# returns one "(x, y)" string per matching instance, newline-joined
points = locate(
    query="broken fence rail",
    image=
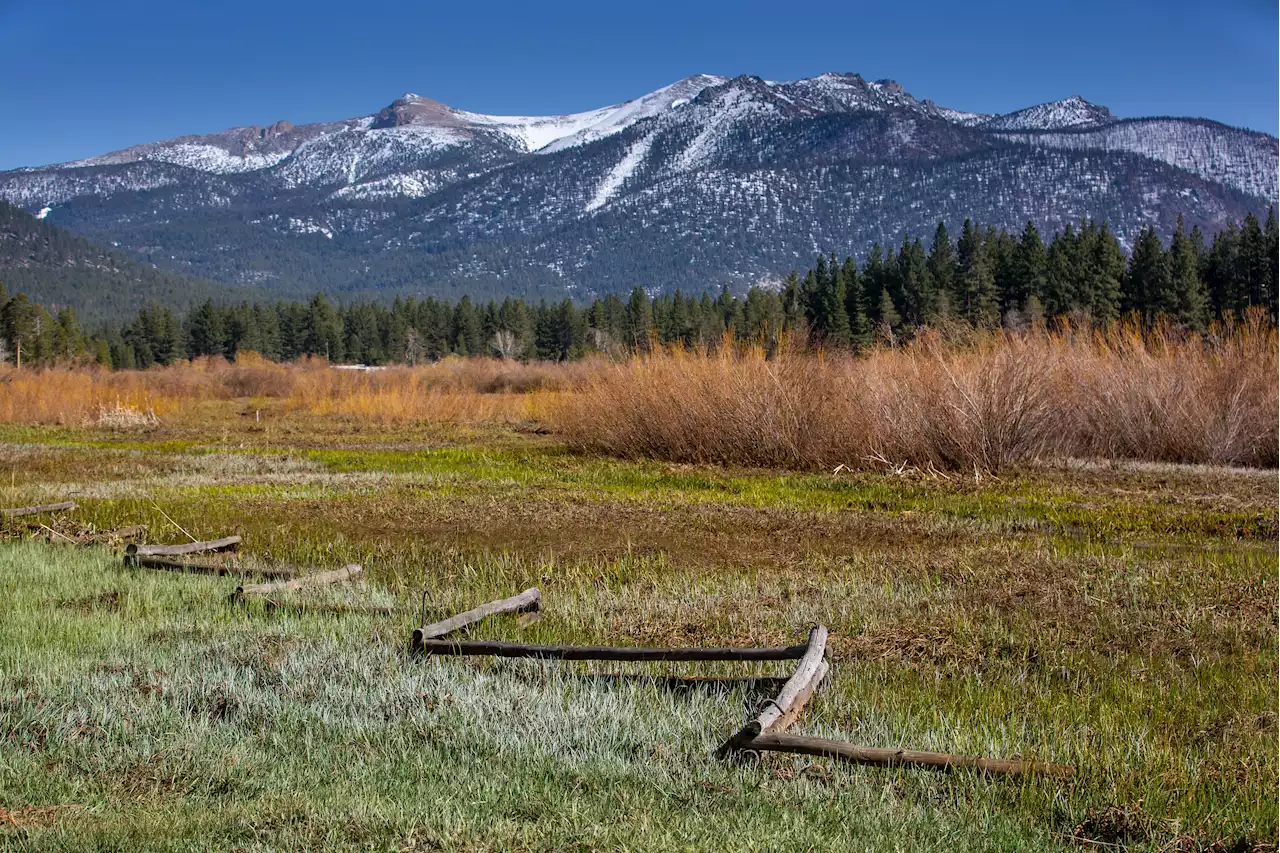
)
(879, 757)
(34, 510)
(782, 711)
(346, 573)
(224, 544)
(177, 564)
(618, 653)
(529, 600)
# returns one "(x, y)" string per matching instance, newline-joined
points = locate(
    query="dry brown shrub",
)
(981, 404)
(456, 389)
(1169, 398)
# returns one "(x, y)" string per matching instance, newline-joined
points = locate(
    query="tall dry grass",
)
(453, 390)
(1112, 393)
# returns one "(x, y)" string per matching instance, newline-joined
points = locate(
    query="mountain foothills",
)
(986, 280)
(66, 269)
(705, 183)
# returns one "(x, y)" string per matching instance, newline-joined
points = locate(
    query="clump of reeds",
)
(1113, 393)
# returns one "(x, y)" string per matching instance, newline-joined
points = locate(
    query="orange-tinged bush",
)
(1113, 393)
(453, 390)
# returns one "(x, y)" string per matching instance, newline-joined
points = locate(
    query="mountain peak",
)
(1070, 112)
(412, 109)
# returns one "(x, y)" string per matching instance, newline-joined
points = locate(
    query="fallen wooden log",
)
(179, 565)
(527, 601)
(875, 756)
(524, 650)
(335, 608)
(346, 573)
(224, 544)
(33, 510)
(782, 711)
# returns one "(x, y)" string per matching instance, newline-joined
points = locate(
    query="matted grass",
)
(1119, 620)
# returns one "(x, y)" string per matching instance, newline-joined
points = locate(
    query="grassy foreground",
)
(1121, 620)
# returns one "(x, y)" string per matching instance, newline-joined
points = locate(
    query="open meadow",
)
(1022, 574)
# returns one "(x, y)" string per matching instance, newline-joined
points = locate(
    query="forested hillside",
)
(58, 268)
(987, 279)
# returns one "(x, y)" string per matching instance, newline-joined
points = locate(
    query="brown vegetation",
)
(935, 404)
(1113, 393)
(454, 390)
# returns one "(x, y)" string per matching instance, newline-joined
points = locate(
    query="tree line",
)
(987, 279)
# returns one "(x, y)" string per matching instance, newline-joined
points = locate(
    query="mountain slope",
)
(703, 182)
(56, 267)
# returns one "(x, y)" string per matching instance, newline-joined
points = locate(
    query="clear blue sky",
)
(84, 76)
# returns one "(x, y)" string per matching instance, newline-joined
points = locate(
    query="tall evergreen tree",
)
(942, 273)
(1184, 271)
(1255, 268)
(1149, 286)
(979, 303)
(1030, 264)
(1271, 234)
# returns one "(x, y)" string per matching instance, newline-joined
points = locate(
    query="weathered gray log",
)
(327, 607)
(782, 711)
(529, 600)
(346, 573)
(177, 564)
(33, 510)
(524, 650)
(780, 742)
(226, 543)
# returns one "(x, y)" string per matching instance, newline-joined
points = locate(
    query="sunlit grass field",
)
(1119, 619)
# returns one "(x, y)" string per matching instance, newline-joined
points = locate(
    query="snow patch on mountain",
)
(1242, 159)
(963, 118)
(203, 157)
(537, 132)
(619, 173)
(1055, 115)
(717, 120)
(622, 116)
(416, 184)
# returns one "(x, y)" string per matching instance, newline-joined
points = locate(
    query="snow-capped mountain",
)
(706, 181)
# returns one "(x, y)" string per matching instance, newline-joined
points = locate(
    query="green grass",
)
(1121, 621)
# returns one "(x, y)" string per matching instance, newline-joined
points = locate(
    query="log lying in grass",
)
(524, 650)
(790, 701)
(334, 608)
(779, 742)
(225, 544)
(527, 601)
(177, 564)
(34, 510)
(346, 573)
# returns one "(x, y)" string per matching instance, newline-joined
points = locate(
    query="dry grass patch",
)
(1111, 393)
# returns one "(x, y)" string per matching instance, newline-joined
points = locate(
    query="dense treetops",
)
(986, 279)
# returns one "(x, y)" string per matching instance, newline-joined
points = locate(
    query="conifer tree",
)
(942, 274)
(1223, 271)
(1029, 266)
(873, 282)
(639, 320)
(1271, 235)
(1149, 287)
(1255, 270)
(826, 295)
(976, 283)
(913, 298)
(1184, 264)
(855, 305)
(1100, 268)
(890, 321)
